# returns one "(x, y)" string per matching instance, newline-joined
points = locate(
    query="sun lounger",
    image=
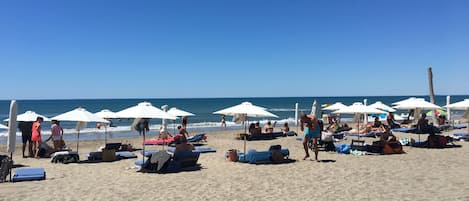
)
(29, 174)
(461, 136)
(197, 138)
(370, 134)
(65, 157)
(257, 157)
(158, 141)
(405, 130)
(196, 149)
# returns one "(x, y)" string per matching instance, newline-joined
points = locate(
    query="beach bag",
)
(276, 156)
(5, 167)
(392, 148)
(232, 155)
(343, 149)
(376, 147)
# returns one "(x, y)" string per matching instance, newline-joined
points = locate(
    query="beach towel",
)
(158, 141)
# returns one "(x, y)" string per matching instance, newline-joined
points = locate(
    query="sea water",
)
(203, 108)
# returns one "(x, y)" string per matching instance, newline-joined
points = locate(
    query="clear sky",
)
(173, 49)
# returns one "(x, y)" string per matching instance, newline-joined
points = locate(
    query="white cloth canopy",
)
(144, 110)
(405, 100)
(106, 114)
(358, 108)
(3, 126)
(29, 116)
(335, 106)
(12, 127)
(179, 113)
(248, 109)
(381, 106)
(461, 105)
(79, 114)
(416, 103)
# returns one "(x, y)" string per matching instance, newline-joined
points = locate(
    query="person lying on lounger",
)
(181, 144)
(365, 130)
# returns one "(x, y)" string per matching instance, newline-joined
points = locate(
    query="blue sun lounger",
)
(196, 149)
(197, 138)
(29, 174)
(405, 130)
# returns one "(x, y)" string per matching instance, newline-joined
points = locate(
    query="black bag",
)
(5, 167)
(358, 145)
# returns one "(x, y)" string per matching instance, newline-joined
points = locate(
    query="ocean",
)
(284, 107)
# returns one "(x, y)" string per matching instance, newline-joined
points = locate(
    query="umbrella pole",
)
(245, 136)
(358, 129)
(11, 157)
(143, 158)
(105, 134)
(78, 139)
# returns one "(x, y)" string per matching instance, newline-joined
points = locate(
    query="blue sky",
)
(173, 49)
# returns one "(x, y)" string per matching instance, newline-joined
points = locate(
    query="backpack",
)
(5, 168)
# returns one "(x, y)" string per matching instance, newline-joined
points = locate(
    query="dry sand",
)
(420, 174)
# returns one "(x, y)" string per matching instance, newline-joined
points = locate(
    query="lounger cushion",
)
(29, 174)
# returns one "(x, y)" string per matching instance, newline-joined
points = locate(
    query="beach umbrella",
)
(438, 112)
(81, 116)
(416, 104)
(29, 116)
(335, 106)
(106, 114)
(144, 110)
(405, 100)
(246, 109)
(358, 108)
(461, 105)
(3, 126)
(381, 106)
(11, 143)
(179, 113)
(314, 108)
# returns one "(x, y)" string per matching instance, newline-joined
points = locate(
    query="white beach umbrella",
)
(179, 113)
(416, 104)
(461, 105)
(359, 108)
(79, 115)
(246, 109)
(11, 143)
(12, 127)
(405, 100)
(381, 106)
(335, 106)
(3, 126)
(144, 110)
(314, 108)
(106, 114)
(29, 116)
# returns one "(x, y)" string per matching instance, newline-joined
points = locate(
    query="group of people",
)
(32, 137)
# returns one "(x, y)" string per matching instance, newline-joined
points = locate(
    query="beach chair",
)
(196, 149)
(197, 138)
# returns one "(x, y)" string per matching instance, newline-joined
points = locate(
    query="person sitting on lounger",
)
(285, 128)
(164, 134)
(365, 130)
(268, 127)
(391, 122)
(257, 129)
(181, 144)
(387, 135)
(424, 127)
(377, 123)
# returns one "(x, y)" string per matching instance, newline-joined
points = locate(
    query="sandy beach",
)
(420, 174)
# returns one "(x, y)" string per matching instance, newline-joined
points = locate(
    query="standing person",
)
(26, 133)
(309, 125)
(223, 121)
(36, 136)
(56, 135)
(184, 122)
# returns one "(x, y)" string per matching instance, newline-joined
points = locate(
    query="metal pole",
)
(143, 158)
(78, 139)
